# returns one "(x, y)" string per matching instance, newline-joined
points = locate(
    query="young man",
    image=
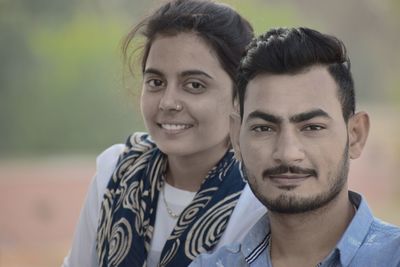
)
(296, 132)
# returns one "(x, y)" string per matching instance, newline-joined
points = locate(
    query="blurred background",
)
(64, 99)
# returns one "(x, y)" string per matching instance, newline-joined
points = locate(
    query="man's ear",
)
(234, 124)
(358, 128)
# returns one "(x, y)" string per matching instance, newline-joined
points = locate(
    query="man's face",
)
(293, 140)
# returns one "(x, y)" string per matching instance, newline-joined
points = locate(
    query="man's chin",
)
(294, 204)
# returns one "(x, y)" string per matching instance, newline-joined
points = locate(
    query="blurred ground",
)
(40, 203)
(40, 200)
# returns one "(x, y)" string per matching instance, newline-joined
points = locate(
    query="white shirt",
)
(83, 251)
(177, 200)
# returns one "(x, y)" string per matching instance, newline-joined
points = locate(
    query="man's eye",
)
(262, 128)
(195, 85)
(313, 128)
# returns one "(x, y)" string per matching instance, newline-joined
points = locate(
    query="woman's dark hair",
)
(293, 50)
(219, 25)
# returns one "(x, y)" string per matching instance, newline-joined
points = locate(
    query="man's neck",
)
(306, 239)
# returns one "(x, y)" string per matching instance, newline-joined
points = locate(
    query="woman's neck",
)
(188, 172)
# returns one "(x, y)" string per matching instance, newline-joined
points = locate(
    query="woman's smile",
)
(174, 128)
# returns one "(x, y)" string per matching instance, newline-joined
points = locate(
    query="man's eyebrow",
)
(196, 72)
(264, 116)
(305, 116)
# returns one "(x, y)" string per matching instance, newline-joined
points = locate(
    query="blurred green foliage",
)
(61, 75)
(61, 88)
(264, 16)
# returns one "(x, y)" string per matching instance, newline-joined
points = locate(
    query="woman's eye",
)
(154, 84)
(195, 87)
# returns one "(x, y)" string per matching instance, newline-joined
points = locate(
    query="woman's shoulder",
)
(109, 155)
(107, 160)
(137, 140)
(105, 165)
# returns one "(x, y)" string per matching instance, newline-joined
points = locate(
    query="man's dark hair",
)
(293, 50)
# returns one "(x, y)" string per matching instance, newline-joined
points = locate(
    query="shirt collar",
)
(357, 230)
(257, 239)
(350, 242)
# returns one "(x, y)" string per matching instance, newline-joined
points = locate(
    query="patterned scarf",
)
(129, 207)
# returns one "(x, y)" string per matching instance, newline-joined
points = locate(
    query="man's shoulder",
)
(381, 246)
(382, 232)
(228, 255)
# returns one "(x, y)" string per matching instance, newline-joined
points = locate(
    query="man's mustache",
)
(282, 169)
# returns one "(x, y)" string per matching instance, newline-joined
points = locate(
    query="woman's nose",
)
(170, 100)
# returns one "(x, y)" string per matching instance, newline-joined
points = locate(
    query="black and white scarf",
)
(128, 210)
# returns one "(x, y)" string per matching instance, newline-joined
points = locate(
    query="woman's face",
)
(186, 96)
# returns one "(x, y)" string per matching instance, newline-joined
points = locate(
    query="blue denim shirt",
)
(367, 242)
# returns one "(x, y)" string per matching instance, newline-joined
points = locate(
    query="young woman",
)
(167, 196)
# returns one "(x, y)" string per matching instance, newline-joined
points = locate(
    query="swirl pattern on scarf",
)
(128, 209)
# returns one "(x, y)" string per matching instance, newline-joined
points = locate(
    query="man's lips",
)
(289, 176)
(288, 179)
(289, 172)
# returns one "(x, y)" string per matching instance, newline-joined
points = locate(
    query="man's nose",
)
(288, 148)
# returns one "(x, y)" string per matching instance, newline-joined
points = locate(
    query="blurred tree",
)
(60, 81)
(61, 85)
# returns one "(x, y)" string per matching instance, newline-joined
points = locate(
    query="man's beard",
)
(287, 204)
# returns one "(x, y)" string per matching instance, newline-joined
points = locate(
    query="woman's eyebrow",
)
(196, 72)
(152, 71)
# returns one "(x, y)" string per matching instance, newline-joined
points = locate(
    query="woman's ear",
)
(235, 123)
(358, 128)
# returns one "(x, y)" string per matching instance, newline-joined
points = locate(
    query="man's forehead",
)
(316, 77)
(291, 94)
